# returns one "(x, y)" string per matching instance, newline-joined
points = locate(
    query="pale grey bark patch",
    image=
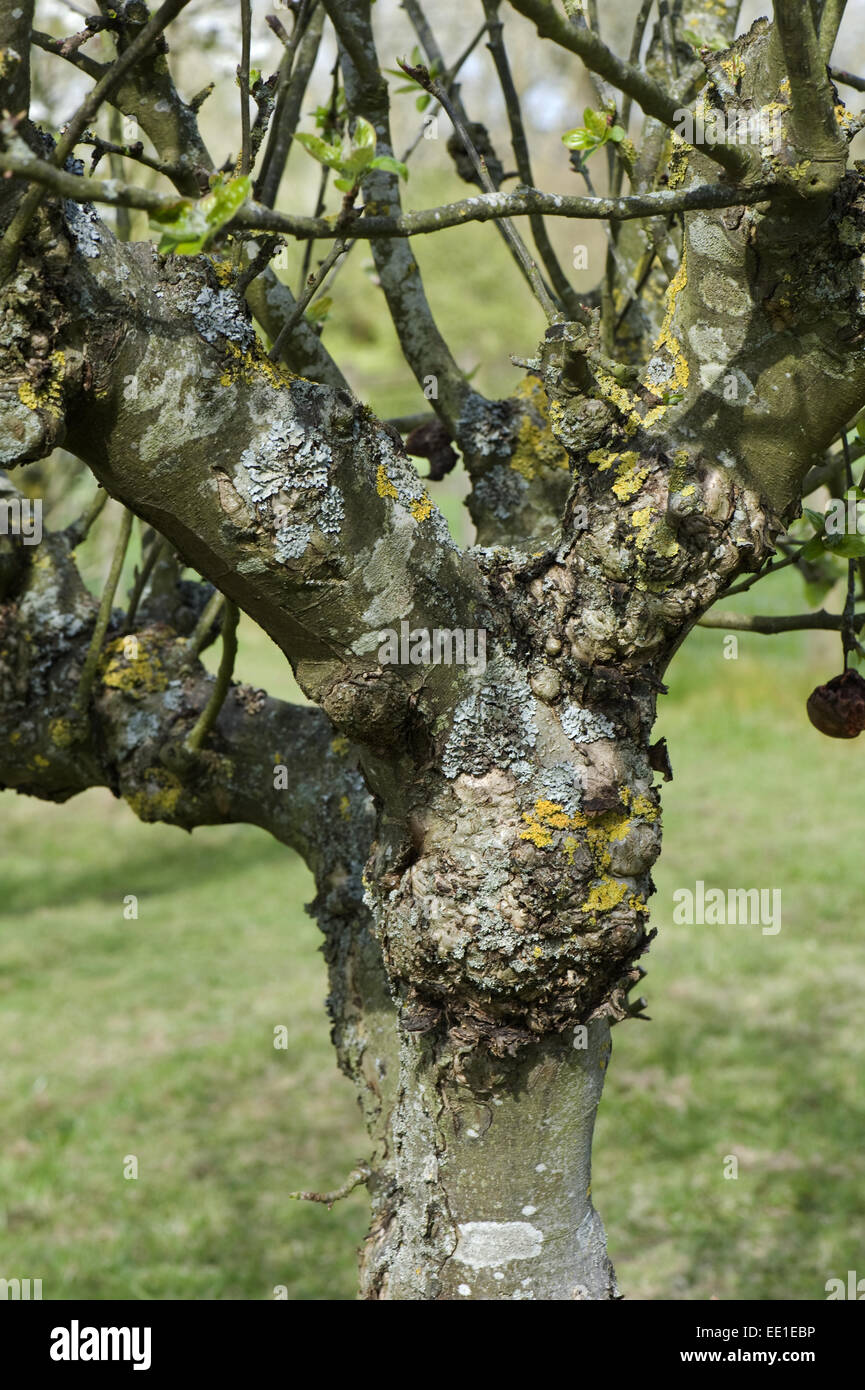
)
(491, 1244)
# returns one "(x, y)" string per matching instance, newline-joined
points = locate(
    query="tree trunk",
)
(491, 1195)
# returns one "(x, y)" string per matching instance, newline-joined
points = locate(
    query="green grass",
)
(154, 1037)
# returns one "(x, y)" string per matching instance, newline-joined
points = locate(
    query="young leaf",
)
(579, 139)
(331, 155)
(595, 123)
(387, 161)
(188, 226)
(848, 547)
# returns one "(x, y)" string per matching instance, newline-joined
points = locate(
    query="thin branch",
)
(79, 123)
(314, 283)
(456, 112)
(201, 631)
(772, 568)
(848, 79)
(812, 108)
(668, 40)
(243, 79)
(82, 61)
(559, 281)
(194, 740)
(103, 617)
(484, 207)
(359, 1175)
(629, 79)
(518, 246)
(770, 626)
(78, 530)
(156, 548)
(424, 347)
(134, 152)
(830, 23)
(294, 74)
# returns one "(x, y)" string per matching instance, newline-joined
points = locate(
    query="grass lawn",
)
(152, 1037)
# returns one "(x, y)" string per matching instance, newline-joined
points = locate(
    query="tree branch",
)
(815, 128)
(771, 626)
(375, 227)
(80, 121)
(830, 23)
(654, 100)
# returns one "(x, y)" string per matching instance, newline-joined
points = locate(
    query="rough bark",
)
(482, 839)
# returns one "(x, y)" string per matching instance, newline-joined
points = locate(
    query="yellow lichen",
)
(50, 396)
(251, 364)
(383, 485)
(604, 895)
(421, 508)
(345, 808)
(546, 817)
(629, 478)
(141, 674)
(339, 744)
(536, 446)
(158, 798)
(61, 732)
(666, 338)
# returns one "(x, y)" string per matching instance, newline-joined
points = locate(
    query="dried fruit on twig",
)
(838, 707)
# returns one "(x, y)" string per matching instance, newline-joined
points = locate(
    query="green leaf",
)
(815, 519)
(363, 137)
(331, 155)
(423, 101)
(387, 161)
(848, 547)
(595, 122)
(616, 133)
(813, 550)
(188, 226)
(344, 185)
(319, 309)
(580, 139)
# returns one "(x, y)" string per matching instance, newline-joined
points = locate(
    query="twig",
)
(156, 548)
(243, 78)
(422, 76)
(559, 281)
(103, 618)
(201, 631)
(628, 78)
(771, 626)
(209, 715)
(295, 71)
(338, 249)
(79, 123)
(78, 531)
(772, 568)
(356, 1178)
(484, 207)
(848, 79)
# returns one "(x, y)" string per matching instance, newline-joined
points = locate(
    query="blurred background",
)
(154, 1037)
